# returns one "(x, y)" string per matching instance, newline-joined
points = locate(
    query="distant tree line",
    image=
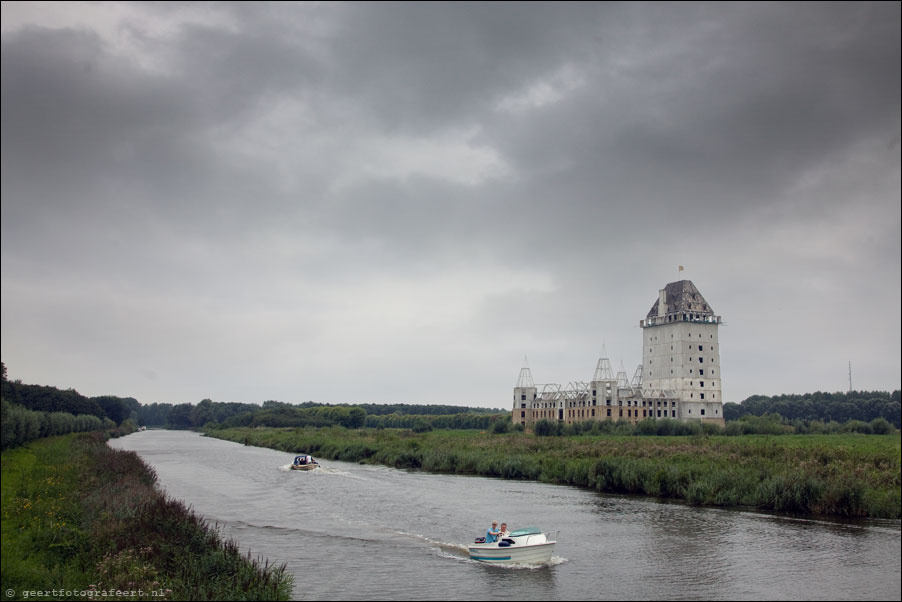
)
(427, 422)
(379, 409)
(19, 425)
(278, 414)
(189, 416)
(210, 414)
(42, 398)
(35, 411)
(861, 406)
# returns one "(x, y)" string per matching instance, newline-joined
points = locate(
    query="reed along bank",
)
(81, 520)
(848, 475)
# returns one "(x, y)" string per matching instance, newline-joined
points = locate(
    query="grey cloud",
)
(300, 168)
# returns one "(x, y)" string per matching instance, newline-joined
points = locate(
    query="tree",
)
(357, 418)
(203, 413)
(114, 408)
(180, 416)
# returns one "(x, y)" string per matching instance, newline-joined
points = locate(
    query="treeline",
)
(210, 414)
(405, 409)
(426, 422)
(19, 425)
(31, 412)
(279, 414)
(862, 406)
(189, 416)
(42, 398)
(218, 415)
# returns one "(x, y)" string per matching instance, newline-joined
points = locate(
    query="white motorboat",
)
(523, 546)
(304, 462)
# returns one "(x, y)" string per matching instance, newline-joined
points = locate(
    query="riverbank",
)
(80, 519)
(835, 475)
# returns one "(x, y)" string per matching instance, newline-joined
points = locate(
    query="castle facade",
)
(679, 377)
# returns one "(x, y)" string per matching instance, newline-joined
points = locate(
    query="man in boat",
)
(491, 536)
(503, 532)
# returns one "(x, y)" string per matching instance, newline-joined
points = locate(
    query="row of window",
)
(689, 348)
(646, 413)
(551, 407)
(629, 413)
(655, 338)
(584, 403)
(701, 371)
(701, 360)
(585, 414)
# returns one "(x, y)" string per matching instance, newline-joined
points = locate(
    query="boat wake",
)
(319, 471)
(461, 552)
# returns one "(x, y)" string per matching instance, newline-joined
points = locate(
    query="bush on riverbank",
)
(83, 517)
(768, 424)
(19, 425)
(840, 475)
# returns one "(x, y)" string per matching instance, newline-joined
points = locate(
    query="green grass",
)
(848, 475)
(81, 517)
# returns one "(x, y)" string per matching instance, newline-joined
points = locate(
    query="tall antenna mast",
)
(850, 376)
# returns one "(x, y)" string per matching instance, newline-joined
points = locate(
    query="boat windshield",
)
(526, 531)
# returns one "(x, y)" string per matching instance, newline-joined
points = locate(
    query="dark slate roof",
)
(682, 296)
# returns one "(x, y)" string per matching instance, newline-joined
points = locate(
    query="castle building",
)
(679, 377)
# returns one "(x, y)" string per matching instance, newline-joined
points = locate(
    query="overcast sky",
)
(398, 202)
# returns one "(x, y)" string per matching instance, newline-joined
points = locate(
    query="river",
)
(355, 532)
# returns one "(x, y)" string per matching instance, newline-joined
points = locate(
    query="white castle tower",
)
(681, 353)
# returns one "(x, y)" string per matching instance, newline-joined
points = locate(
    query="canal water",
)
(355, 532)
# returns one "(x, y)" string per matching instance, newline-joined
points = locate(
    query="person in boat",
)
(503, 531)
(491, 536)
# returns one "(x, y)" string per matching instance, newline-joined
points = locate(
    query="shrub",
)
(547, 428)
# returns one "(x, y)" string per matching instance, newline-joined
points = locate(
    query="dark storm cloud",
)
(716, 112)
(368, 179)
(421, 66)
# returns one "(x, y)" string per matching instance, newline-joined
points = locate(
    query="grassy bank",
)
(86, 520)
(839, 475)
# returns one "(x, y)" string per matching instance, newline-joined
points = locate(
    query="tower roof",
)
(603, 370)
(682, 296)
(525, 380)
